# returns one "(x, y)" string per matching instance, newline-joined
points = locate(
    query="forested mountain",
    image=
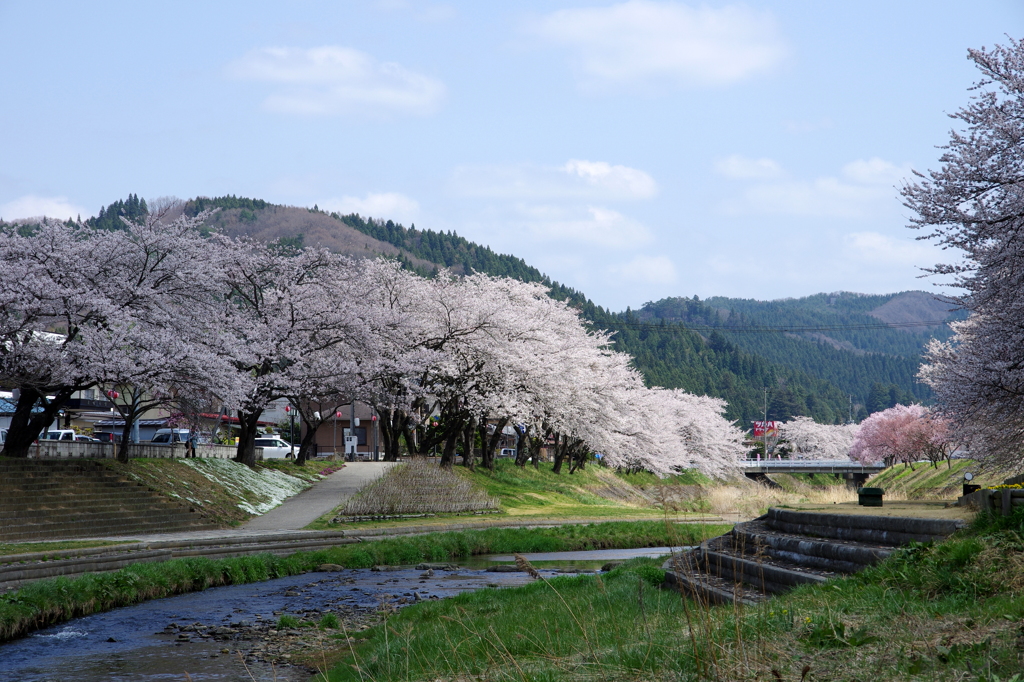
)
(824, 356)
(842, 338)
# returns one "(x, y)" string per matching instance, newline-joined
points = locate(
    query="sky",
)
(632, 150)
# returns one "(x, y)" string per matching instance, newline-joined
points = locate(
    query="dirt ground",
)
(928, 509)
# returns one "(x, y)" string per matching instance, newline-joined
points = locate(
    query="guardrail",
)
(56, 449)
(808, 466)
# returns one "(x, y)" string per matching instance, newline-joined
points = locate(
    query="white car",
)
(507, 452)
(275, 448)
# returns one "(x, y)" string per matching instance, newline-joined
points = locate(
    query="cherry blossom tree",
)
(903, 434)
(77, 303)
(974, 206)
(283, 313)
(808, 439)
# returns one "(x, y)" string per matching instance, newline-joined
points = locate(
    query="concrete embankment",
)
(784, 549)
(19, 569)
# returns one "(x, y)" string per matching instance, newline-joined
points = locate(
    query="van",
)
(170, 436)
(507, 452)
(58, 434)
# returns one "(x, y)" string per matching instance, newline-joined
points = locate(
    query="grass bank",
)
(950, 611)
(56, 600)
(593, 493)
(944, 481)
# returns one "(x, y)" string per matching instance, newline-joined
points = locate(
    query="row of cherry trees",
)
(168, 315)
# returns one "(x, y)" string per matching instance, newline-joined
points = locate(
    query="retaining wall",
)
(1002, 501)
(56, 449)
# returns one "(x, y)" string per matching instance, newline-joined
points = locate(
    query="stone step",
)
(73, 499)
(763, 575)
(84, 491)
(839, 556)
(30, 532)
(893, 531)
(784, 549)
(74, 508)
(684, 575)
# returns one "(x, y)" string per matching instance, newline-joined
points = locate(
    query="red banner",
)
(769, 429)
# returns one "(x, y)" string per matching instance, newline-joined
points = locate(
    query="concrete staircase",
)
(785, 549)
(58, 500)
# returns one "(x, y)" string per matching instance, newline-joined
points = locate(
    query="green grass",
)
(927, 481)
(9, 548)
(949, 611)
(55, 600)
(534, 493)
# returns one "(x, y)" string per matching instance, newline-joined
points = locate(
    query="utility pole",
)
(851, 410)
(765, 423)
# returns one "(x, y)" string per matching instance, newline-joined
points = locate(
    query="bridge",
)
(855, 473)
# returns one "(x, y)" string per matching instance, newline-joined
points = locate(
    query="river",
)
(230, 634)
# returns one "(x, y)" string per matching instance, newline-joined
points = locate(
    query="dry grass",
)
(418, 487)
(753, 499)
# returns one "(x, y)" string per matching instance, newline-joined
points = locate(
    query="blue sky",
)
(633, 150)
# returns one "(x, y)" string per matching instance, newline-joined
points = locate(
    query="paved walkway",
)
(299, 511)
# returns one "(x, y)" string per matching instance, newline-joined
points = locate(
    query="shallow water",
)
(130, 643)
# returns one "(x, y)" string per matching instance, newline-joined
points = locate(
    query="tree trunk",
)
(129, 417)
(490, 445)
(535, 444)
(448, 454)
(306, 444)
(392, 424)
(559, 454)
(247, 425)
(25, 427)
(522, 446)
(468, 438)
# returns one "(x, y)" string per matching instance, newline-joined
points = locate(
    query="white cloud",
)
(592, 226)
(740, 167)
(646, 270)
(32, 206)
(642, 40)
(386, 205)
(577, 179)
(621, 181)
(875, 171)
(336, 80)
(874, 248)
(865, 188)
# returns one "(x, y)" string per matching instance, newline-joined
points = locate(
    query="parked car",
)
(507, 452)
(275, 448)
(58, 434)
(105, 437)
(86, 439)
(165, 436)
(3, 436)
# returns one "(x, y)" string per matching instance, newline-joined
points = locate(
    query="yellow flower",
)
(807, 619)
(785, 611)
